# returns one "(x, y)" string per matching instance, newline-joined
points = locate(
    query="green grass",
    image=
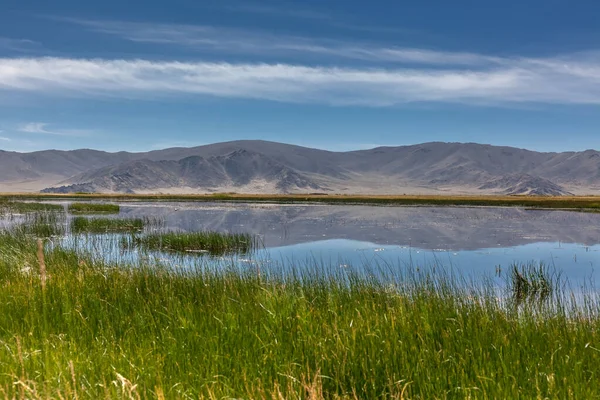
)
(20, 207)
(43, 224)
(214, 243)
(576, 203)
(94, 208)
(106, 225)
(146, 331)
(532, 282)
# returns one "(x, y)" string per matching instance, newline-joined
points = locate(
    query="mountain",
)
(269, 167)
(239, 169)
(525, 184)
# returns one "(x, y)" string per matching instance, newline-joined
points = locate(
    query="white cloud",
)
(4, 139)
(41, 128)
(286, 11)
(176, 143)
(239, 41)
(20, 45)
(559, 81)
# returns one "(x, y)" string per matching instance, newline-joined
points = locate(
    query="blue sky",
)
(334, 74)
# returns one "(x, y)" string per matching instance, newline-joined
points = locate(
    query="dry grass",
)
(561, 202)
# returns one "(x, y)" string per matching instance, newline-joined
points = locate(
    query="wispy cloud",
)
(289, 10)
(293, 11)
(4, 139)
(19, 45)
(560, 80)
(176, 143)
(245, 42)
(42, 128)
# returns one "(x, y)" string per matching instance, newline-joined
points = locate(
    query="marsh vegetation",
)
(106, 225)
(214, 243)
(93, 208)
(73, 325)
(577, 203)
(9, 206)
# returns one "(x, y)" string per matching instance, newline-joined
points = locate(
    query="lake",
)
(477, 242)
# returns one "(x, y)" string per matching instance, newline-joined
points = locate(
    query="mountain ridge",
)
(257, 166)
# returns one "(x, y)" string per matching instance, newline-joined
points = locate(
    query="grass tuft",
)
(106, 225)
(94, 208)
(43, 224)
(20, 207)
(532, 282)
(213, 243)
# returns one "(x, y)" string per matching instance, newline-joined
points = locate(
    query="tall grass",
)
(94, 208)
(145, 331)
(214, 243)
(106, 225)
(10, 207)
(43, 224)
(533, 282)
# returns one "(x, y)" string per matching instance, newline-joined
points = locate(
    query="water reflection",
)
(430, 228)
(475, 241)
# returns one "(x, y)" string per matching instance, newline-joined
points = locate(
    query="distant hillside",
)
(525, 184)
(241, 168)
(259, 166)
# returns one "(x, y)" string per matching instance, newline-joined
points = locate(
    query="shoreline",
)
(571, 203)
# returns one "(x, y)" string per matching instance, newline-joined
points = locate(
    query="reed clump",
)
(532, 282)
(43, 224)
(94, 208)
(106, 225)
(213, 243)
(21, 207)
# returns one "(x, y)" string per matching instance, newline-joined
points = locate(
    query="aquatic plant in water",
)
(106, 225)
(93, 208)
(213, 243)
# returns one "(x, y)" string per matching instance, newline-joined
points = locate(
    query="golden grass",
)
(557, 202)
(299, 196)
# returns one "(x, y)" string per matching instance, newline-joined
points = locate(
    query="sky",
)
(333, 74)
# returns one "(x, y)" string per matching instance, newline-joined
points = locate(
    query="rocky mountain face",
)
(240, 168)
(269, 167)
(524, 184)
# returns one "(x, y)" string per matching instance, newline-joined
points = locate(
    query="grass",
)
(94, 208)
(106, 225)
(579, 203)
(43, 224)
(74, 326)
(20, 207)
(214, 243)
(106, 331)
(532, 282)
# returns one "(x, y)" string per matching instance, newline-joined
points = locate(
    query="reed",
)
(106, 225)
(213, 243)
(93, 208)
(43, 224)
(82, 327)
(532, 282)
(13, 206)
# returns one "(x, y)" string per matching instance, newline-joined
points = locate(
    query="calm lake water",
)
(474, 241)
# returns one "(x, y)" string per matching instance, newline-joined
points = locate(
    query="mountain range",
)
(269, 167)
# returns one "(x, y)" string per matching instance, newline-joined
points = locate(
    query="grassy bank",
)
(564, 202)
(82, 329)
